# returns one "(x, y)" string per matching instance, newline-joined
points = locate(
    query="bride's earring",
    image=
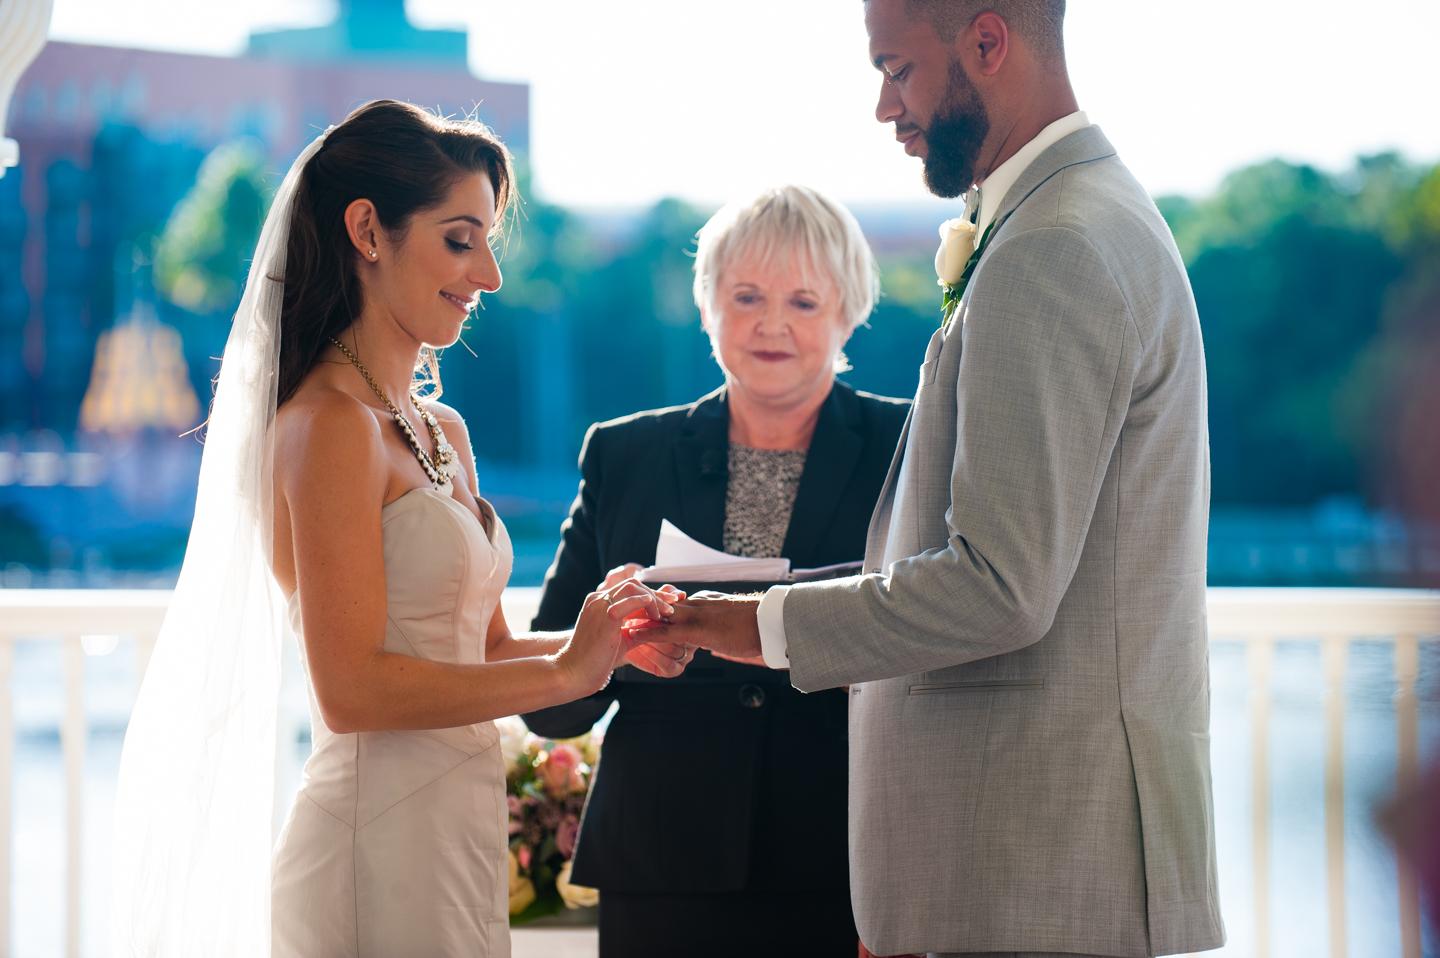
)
(373, 254)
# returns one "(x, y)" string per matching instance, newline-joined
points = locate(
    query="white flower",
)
(575, 896)
(957, 243)
(513, 734)
(591, 749)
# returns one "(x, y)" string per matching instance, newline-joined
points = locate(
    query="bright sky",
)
(633, 100)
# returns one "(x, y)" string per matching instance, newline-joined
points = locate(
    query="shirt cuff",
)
(771, 619)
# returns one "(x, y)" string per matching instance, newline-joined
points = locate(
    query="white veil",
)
(193, 827)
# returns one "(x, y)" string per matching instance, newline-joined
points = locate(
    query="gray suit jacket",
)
(1030, 701)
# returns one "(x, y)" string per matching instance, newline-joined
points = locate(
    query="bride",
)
(328, 475)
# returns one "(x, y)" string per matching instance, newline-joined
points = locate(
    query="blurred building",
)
(110, 138)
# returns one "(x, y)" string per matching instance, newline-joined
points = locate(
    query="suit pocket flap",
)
(986, 685)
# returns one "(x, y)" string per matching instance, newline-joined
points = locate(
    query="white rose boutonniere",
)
(955, 260)
(957, 242)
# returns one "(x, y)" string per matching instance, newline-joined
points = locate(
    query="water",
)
(1298, 890)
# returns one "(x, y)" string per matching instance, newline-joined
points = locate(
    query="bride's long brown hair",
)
(404, 160)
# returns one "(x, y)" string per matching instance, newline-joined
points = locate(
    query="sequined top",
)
(758, 499)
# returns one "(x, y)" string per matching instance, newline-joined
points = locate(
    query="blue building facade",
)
(111, 140)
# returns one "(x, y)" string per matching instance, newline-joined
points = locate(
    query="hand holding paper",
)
(679, 558)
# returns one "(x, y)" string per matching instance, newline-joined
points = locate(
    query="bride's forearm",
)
(392, 692)
(525, 645)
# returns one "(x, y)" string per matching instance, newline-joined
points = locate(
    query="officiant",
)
(783, 460)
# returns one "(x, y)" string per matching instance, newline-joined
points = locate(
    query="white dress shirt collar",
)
(998, 183)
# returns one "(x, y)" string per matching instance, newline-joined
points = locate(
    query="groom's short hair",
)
(1040, 22)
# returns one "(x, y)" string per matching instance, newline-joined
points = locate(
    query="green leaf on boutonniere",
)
(955, 293)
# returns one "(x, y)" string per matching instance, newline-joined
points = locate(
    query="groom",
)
(1029, 710)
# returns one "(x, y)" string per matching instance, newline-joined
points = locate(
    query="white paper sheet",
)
(679, 558)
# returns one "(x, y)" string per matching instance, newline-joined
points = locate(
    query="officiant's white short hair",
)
(778, 221)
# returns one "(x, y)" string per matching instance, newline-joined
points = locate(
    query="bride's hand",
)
(620, 573)
(600, 640)
(665, 659)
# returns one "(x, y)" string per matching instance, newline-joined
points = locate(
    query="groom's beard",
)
(955, 136)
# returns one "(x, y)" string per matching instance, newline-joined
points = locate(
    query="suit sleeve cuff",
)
(771, 619)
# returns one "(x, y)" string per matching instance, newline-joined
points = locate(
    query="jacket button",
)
(752, 696)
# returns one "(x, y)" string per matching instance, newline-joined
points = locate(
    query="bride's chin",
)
(444, 338)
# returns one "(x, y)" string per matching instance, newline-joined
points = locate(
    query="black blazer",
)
(726, 778)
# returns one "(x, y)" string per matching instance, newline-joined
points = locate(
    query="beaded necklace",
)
(442, 468)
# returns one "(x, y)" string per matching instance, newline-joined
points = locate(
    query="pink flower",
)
(524, 856)
(566, 835)
(560, 770)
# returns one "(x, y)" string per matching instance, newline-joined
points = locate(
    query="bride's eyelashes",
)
(457, 246)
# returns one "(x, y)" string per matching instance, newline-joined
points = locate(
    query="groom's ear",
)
(362, 223)
(984, 44)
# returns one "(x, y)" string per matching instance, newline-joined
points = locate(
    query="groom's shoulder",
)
(1114, 233)
(1101, 201)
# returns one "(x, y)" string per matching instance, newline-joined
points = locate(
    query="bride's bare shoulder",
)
(322, 422)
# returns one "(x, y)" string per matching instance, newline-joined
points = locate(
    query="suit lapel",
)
(701, 455)
(1082, 146)
(834, 453)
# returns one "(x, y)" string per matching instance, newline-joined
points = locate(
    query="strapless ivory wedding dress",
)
(396, 844)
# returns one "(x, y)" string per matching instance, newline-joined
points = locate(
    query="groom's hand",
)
(724, 624)
(658, 658)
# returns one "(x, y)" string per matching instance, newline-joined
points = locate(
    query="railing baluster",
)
(1407, 779)
(1334, 654)
(72, 743)
(1262, 656)
(7, 779)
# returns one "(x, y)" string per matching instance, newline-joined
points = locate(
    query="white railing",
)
(91, 621)
(1260, 617)
(86, 621)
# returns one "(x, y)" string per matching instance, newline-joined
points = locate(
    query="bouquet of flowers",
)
(546, 783)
